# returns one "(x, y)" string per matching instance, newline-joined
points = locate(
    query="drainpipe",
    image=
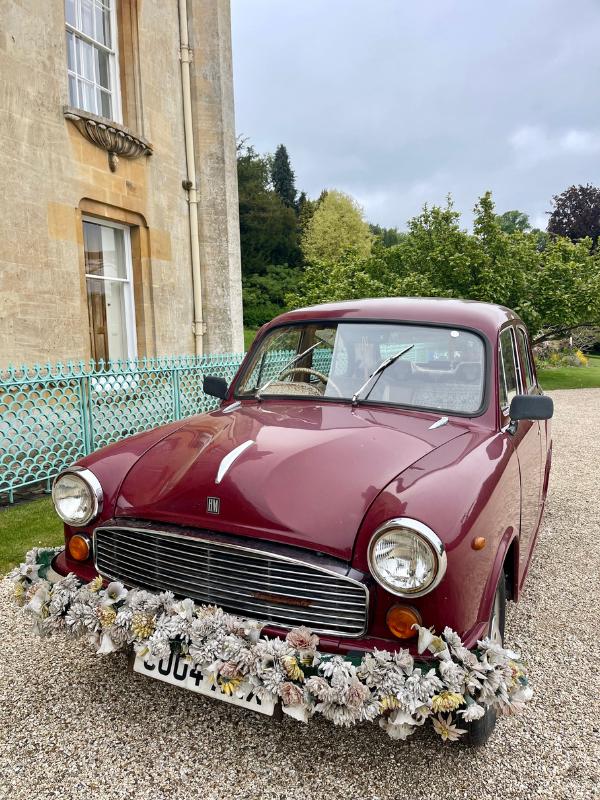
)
(185, 55)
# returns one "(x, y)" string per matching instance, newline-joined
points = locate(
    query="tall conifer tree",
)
(283, 178)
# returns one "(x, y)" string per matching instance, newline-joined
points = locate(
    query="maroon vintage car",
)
(374, 464)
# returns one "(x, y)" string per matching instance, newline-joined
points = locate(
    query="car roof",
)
(484, 317)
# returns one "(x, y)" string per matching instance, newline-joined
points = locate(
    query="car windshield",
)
(442, 368)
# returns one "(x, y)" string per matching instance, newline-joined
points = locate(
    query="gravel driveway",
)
(75, 726)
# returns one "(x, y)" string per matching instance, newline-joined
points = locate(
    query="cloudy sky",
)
(399, 102)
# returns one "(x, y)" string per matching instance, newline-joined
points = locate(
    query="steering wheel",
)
(309, 371)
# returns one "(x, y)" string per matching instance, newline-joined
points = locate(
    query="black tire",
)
(480, 730)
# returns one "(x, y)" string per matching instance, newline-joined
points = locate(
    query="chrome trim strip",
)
(232, 407)
(439, 423)
(425, 533)
(255, 553)
(95, 487)
(230, 458)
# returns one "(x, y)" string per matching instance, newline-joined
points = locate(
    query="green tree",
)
(512, 221)
(264, 295)
(282, 177)
(306, 208)
(576, 213)
(555, 289)
(387, 237)
(268, 228)
(336, 227)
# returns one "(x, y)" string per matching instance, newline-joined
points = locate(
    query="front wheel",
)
(479, 731)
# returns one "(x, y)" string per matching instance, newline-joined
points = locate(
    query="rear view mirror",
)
(531, 406)
(215, 387)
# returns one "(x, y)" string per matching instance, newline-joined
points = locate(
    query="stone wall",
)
(51, 176)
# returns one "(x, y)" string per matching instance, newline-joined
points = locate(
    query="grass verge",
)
(249, 334)
(27, 525)
(571, 377)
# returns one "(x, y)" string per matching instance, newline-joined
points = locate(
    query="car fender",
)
(465, 489)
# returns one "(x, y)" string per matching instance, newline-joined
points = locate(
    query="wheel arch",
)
(507, 562)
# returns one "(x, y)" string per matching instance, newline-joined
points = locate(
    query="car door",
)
(531, 387)
(526, 439)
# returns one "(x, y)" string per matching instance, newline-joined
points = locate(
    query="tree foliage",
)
(513, 221)
(282, 177)
(264, 295)
(268, 228)
(336, 227)
(576, 213)
(554, 290)
(386, 237)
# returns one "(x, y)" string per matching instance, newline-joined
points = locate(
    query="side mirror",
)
(215, 387)
(531, 406)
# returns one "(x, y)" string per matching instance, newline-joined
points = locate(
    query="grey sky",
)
(399, 102)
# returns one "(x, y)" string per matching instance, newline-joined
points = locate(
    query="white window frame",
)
(131, 335)
(113, 61)
(529, 369)
(518, 376)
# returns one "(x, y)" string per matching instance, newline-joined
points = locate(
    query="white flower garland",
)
(458, 685)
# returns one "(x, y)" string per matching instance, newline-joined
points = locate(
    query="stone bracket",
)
(117, 140)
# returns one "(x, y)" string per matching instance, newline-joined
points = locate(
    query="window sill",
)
(116, 139)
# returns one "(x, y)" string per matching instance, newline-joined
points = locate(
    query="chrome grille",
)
(271, 588)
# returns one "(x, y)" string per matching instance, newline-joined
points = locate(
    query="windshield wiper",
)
(376, 374)
(289, 364)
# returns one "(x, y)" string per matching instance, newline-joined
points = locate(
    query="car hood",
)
(307, 479)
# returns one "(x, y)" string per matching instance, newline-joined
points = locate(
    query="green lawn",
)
(249, 334)
(571, 377)
(24, 526)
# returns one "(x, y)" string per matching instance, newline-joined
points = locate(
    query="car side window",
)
(525, 358)
(508, 382)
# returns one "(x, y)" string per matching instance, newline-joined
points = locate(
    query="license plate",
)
(177, 671)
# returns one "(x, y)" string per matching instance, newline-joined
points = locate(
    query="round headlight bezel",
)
(431, 539)
(95, 493)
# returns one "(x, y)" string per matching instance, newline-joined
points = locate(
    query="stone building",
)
(119, 232)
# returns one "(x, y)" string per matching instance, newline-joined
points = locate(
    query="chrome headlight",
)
(77, 496)
(407, 558)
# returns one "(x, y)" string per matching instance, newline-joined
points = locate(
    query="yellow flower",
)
(581, 358)
(96, 584)
(446, 701)
(229, 685)
(19, 593)
(107, 616)
(389, 703)
(142, 625)
(292, 668)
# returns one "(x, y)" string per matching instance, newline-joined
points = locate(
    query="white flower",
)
(28, 570)
(401, 732)
(446, 729)
(523, 694)
(452, 637)
(115, 592)
(453, 675)
(426, 637)
(106, 645)
(39, 599)
(185, 608)
(472, 711)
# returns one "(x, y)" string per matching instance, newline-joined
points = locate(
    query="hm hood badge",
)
(213, 505)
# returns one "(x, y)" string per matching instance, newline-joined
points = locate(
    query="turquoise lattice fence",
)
(52, 415)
